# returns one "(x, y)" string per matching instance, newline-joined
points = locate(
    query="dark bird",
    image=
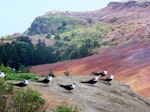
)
(92, 81)
(68, 87)
(47, 80)
(22, 84)
(101, 73)
(109, 78)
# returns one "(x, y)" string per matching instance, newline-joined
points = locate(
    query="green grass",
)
(27, 100)
(95, 31)
(65, 108)
(21, 76)
(20, 100)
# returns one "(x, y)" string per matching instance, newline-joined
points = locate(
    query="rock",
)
(101, 97)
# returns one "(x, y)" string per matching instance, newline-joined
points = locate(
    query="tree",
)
(66, 38)
(57, 37)
(48, 36)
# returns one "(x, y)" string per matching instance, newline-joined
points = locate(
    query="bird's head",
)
(111, 76)
(52, 75)
(26, 81)
(73, 85)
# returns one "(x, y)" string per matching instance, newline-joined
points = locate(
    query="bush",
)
(5, 89)
(22, 100)
(6, 69)
(27, 100)
(67, 72)
(65, 108)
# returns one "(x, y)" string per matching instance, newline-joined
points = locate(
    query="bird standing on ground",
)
(68, 87)
(109, 78)
(101, 73)
(47, 80)
(22, 84)
(92, 81)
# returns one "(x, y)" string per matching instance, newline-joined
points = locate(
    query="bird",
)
(2, 74)
(47, 80)
(110, 78)
(68, 87)
(22, 84)
(101, 73)
(91, 81)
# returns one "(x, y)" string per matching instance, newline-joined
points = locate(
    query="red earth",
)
(129, 62)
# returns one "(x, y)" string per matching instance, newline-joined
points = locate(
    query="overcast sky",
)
(17, 15)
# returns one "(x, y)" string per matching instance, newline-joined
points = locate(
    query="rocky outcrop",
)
(102, 97)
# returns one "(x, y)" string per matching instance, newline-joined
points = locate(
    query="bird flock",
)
(98, 75)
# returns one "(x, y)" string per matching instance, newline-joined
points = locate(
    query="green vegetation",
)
(5, 89)
(65, 108)
(74, 38)
(27, 100)
(22, 100)
(21, 76)
(53, 24)
(12, 75)
(22, 53)
(6, 69)
(129, 27)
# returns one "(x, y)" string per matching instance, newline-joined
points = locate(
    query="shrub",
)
(6, 69)
(22, 100)
(65, 108)
(67, 72)
(5, 89)
(27, 100)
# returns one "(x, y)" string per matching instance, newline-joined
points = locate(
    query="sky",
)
(17, 15)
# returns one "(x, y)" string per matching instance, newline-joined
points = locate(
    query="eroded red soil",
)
(130, 63)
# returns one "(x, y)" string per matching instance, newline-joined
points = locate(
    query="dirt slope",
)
(130, 63)
(102, 97)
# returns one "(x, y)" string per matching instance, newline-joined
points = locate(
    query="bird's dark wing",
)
(107, 79)
(44, 80)
(68, 87)
(95, 73)
(21, 84)
(89, 81)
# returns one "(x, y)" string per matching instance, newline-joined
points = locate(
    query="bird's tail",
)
(83, 82)
(40, 81)
(60, 85)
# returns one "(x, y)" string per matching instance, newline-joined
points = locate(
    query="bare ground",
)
(101, 97)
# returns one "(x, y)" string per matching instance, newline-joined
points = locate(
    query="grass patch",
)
(27, 100)
(21, 76)
(21, 100)
(65, 108)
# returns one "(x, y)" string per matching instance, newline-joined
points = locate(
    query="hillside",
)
(117, 23)
(129, 63)
(127, 35)
(103, 97)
